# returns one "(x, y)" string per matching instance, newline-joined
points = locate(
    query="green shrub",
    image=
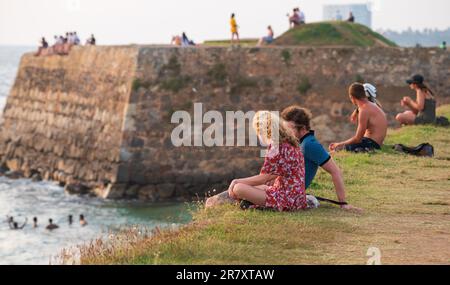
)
(304, 85)
(138, 83)
(242, 83)
(359, 79)
(175, 84)
(218, 73)
(286, 55)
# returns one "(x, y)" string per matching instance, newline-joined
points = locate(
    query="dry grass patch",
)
(407, 216)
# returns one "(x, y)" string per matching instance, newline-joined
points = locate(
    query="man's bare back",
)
(377, 122)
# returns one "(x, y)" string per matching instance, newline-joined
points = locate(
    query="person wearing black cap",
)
(423, 109)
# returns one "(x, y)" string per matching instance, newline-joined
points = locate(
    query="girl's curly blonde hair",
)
(269, 127)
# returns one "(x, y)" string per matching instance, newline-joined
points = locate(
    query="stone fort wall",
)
(99, 120)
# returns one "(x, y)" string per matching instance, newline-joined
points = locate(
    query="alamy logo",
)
(237, 128)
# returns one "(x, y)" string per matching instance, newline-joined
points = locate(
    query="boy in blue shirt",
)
(314, 153)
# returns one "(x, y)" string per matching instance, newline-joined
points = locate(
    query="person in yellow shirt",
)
(234, 29)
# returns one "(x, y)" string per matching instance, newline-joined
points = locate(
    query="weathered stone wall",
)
(64, 115)
(136, 155)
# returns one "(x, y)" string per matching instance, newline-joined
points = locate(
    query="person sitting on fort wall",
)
(371, 120)
(185, 41)
(294, 18)
(62, 45)
(267, 39)
(42, 47)
(91, 41)
(351, 18)
(423, 109)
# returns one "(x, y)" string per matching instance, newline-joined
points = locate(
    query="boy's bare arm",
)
(363, 121)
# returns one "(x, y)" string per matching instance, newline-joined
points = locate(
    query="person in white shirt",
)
(70, 39)
(301, 16)
(77, 40)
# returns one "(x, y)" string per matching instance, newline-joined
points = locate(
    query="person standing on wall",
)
(234, 29)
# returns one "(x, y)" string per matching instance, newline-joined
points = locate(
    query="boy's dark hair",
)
(357, 91)
(300, 116)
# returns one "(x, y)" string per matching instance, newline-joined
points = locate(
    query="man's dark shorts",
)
(365, 145)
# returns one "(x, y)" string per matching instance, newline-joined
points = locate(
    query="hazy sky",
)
(23, 22)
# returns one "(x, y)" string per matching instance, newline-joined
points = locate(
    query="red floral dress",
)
(288, 191)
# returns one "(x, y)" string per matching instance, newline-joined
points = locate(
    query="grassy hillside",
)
(406, 202)
(331, 34)
(242, 42)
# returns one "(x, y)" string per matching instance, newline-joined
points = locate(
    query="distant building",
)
(362, 13)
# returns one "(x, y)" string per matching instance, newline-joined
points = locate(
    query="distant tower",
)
(361, 12)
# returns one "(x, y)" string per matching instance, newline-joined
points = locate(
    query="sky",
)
(23, 22)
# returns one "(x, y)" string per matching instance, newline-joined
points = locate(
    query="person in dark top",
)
(70, 220)
(44, 43)
(351, 18)
(423, 109)
(51, 226)
(43, 46)
(35, 222)
(15, 225)
(91, 41)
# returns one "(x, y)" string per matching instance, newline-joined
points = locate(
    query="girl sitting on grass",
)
(423, 109)
(283, 169)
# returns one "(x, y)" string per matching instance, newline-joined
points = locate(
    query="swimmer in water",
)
(51, 226)
(82, 221)
(70, 220)
(15, 225)
(35, 222)
(9, 219)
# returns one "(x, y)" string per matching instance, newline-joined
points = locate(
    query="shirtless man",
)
(83, 221)
(51, 226)
(372, 121)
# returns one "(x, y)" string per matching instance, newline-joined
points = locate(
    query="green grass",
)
(333, 33)
(406, 215)
(242, 42)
